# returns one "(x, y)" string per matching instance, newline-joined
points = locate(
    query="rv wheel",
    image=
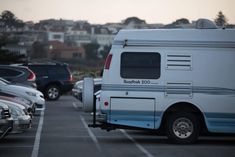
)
(182, 128)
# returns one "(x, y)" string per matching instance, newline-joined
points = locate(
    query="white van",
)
(181, 80)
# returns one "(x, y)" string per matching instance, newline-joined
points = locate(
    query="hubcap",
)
(183, 127)
(53, 93)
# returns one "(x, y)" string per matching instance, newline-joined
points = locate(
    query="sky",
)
(104, 11)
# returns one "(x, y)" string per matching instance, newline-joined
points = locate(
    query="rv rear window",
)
(140, 65)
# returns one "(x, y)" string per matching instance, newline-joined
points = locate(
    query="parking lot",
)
(61, 130)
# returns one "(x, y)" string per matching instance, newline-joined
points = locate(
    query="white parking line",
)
(94, 139)
(38, 136)
(142, 149)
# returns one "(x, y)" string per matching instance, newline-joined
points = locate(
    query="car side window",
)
(57, 70)
(140, 65)
(39, 70)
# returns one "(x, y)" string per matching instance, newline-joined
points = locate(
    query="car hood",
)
(20, 88)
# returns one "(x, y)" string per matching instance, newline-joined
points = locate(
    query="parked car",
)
(20, 99)
(77, 89)
(166, 80)
(52, 79)
(6, 122)
(21, 119)
(18, 74)
(30, 93)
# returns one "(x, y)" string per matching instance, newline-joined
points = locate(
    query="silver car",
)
(28, 92)
(21, 99)
(22, 121)
(77, 89)
(6, 122)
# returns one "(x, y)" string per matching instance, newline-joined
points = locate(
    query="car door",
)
(134, 103)
(41, 73)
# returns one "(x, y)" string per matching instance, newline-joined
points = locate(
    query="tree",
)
(39, 50)
(221, 20)
(91, 50)
(9, 19)
(5, 56)
(134, 19)
(181, 21)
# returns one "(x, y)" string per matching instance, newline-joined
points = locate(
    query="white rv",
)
(181, 80)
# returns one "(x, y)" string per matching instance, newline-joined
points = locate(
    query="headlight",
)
(31, 94)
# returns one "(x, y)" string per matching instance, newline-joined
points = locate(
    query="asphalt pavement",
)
(61, 131)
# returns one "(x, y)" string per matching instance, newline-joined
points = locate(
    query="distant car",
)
(77, 89)
(18, 74)
(6, 122)
(30, 93)
(52, 80)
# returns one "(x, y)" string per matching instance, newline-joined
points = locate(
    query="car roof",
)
(8, 102)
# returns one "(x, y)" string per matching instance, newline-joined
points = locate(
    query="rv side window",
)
(140, 65)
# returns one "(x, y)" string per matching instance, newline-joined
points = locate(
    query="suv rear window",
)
(39, 70)
(5, 72)
(140, 65)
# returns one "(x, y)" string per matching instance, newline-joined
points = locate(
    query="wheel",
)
(182, 128)
(52, 92)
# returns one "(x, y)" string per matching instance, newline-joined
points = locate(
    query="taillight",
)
(31, 76)
(108, 61)
(106, 103)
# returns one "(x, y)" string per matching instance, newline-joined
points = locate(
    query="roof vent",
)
(205, 24)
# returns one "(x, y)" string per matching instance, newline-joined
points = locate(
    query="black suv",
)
(52, 79)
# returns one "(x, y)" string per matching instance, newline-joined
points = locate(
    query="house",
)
(16, 49)
(55, 36)
(60, 50)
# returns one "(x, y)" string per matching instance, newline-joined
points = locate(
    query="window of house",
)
(140, 65)
(76, 55)
(57, 36)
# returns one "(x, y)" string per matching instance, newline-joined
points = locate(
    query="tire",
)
(182, 128)
(88, 94)
(52, 92)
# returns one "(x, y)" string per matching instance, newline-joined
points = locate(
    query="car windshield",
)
(2, 83)
(16, 110)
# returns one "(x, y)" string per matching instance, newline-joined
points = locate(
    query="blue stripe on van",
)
(220, 122)
(215, 122)
(142, 119)
(171, 89)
